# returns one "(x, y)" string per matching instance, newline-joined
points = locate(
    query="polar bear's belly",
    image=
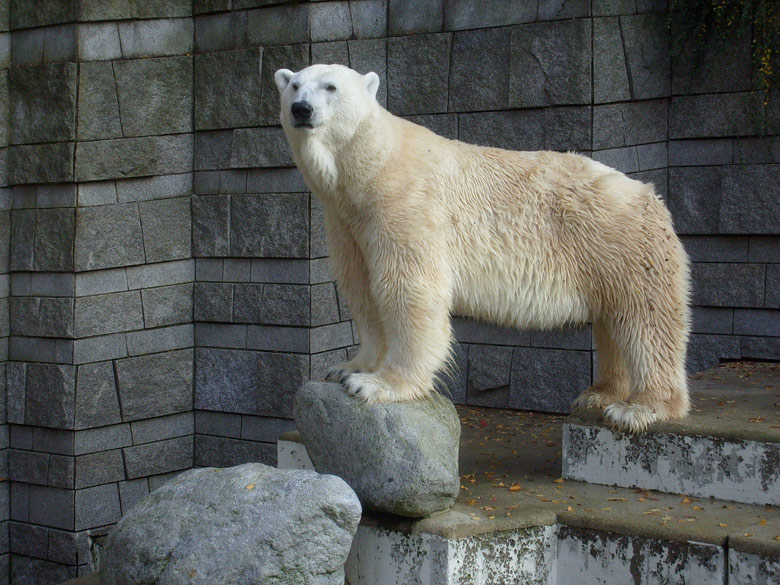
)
(516, 288)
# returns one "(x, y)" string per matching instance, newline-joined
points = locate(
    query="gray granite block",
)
(155, 385)
(269, 225)
(167, 305)
(417, 73)
(564, 338)
(727, 285)
(227, 89)
(98, 111)
(563, 129)
(122, 9)
(208, 269)
(61, 471)
(156, 187)
(489, 368)
(213, 150)
(211, 225)
(331, 52)
(369, 19)
(133, 157)
(772, 286)
(275, 181)
(694, 198)
(370, 55)
(716, 65)
(760, 348)
(101, 282)
(25, 14)
(164, 427)
(28, 466)
(131, 492)
(223, 424)
(260, 147)
(626, 159)
(159, 457)
(41, 316)
(481, 84)
(249, 382)
(550, 64)
(757, 322)
(279, 25)
(97, 506)
(27, 47)
(237, 270)
(293, 57)
(42, 103)
(54, 239)
(706, 351)
(101, 439)
(164, 273)
(757, 150)
(41, 349)
(715, 115)
(712, 320)
(164, 37)
(415, 16)
(162, 107)
(41, 163)
(52, 284)
(716, 248)
(646, 42)
(332, 336)
(213, 302)
(50, 196)
(108, 236)
(65, 547)
(764, 248)
(49, 395)
(166, 226)
(264, 428)
(51, 507)
(548, 379)
(22, 254)
(331, 21)
(324, 304)
(213, 451)
(750, 200)
(26, 539)
(95, 349)
(221, 335)
(610, 72)
(99, 468)
(101, 193)
(272, 304)
(99, 42)
(630, 123)
(97, 401)
(110, 313)
(221, 32)
(717, 151)
(160, 339)
(60, 43)
(32, 570)
(462, 14)
(280, 271)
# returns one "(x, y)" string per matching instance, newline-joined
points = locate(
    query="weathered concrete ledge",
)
(728, 448)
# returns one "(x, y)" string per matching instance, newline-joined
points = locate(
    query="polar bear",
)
(420, 227)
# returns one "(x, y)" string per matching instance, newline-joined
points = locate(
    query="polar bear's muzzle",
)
(302, 112)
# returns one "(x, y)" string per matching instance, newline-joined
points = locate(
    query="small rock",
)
(246, 524)
(399, 457)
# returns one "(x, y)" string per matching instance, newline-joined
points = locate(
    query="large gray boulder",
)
(399, 457)
(250, 524)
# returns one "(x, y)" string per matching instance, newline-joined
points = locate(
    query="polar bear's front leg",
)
(412, 288)
(349, 268)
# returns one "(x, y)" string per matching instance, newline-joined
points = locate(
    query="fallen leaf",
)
(617, 499)
(559, 480)
(762, 522)
(697, 508)
(471, 503)
(570, 509)
(251, 486)
(722, 524)
(515, 488)
(606, 509)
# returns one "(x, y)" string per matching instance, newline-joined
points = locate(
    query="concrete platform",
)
(728, 448)
(518, 520)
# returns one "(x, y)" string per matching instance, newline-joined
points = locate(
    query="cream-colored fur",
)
(420, 227)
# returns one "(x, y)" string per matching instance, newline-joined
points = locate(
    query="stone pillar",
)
(101, 335)
(5, 282)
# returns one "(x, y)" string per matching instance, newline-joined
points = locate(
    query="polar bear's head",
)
(325, 99)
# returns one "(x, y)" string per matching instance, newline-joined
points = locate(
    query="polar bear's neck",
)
(318, 165)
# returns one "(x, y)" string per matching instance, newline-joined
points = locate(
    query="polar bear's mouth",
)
(304, 125)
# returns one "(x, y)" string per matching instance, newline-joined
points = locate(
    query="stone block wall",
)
(164, 287)
(99, 382)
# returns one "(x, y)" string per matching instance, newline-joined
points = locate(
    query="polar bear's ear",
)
(372, 83)
(282, 78)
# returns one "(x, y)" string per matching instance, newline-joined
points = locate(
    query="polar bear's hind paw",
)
(339, 372)
(368, 388)
(631, 417)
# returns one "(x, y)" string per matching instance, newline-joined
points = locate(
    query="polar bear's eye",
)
(295, 86)
(331, 88)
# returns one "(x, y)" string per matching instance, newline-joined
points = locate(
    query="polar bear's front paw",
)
(369, 388)
(631, 417)
(593, 397)
(339, 372)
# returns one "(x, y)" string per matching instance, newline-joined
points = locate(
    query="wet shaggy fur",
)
(420, 227)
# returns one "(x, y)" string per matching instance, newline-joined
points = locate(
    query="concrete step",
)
(727, 448)
(518, 521)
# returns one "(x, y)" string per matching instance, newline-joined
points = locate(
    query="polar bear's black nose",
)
(302, 110)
